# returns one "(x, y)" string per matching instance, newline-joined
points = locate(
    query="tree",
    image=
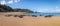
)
(22, 10)
(5, 8)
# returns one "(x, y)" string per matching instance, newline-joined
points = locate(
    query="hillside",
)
(5, 8)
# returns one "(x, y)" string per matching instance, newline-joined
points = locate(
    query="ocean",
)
(45, 14)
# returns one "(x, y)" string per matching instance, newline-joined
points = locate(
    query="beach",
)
(28, 20)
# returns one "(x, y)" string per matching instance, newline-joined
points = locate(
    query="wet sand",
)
(29, 21)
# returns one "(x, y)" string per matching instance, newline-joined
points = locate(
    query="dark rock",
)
(48, 16)
(15, 15)
(34, 15)
(21, 16)
(8, 15)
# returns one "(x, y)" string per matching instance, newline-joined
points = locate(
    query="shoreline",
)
(29, 21)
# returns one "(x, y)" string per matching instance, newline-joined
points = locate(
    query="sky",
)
(36, 5)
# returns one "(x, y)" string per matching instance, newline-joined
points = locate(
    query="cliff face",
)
(4, 8)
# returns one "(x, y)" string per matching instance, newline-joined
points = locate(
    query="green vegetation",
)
(21, 10)
(5, 8)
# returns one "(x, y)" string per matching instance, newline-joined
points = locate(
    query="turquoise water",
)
(44, 14)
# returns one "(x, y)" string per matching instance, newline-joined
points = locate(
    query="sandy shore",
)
(29, 21)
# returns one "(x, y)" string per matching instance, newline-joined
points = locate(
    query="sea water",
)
(44, 14)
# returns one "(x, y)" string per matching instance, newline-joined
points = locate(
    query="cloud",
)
(13, 1)
(3, 2)
(43, 10)
(10, 2)
(56, 7)
(57, 10)
(48, 10)
(16, 0)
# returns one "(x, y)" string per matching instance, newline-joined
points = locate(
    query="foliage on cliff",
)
(21, 10)
(5, 8)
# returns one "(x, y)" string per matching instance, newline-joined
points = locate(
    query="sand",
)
(29, 21)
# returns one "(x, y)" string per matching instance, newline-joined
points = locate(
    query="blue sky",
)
(38, 5)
